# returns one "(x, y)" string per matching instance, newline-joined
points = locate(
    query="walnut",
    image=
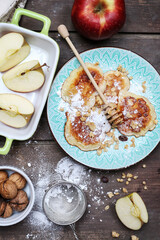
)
(2, 206)
(3, 175)
(18, 179)
(8, 189)
(8, 211)
(20, 202)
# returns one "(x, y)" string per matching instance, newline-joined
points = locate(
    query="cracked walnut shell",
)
(18, 179)
(8, 189)
(8, 211)
(20, 202)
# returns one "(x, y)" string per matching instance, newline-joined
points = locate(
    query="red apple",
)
(98, 19)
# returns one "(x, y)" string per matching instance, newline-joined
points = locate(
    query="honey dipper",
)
(113, 115)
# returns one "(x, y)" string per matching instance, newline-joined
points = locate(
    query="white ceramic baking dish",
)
(44, 49)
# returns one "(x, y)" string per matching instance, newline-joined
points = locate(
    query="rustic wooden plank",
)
(97, 223)
(142, 15)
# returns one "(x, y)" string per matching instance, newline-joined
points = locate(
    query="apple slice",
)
(26, 77)
(13, 120)
(132, 211)
(15, 111)
(13, 49)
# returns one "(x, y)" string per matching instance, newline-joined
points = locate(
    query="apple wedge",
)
(26, 77)
(13, 49)
(132, 211)
(15, 111)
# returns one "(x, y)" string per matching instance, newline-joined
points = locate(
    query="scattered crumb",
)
(133, 237)
(126, 146)
(125, 190)
(123, 175)
(29, 164)
(119, 180)
(129, 179)
(115, 234)
(106, 207)
(116, 146)
(99, 151)
(144, 182)
(91, 126)
(144, 86)
(144, 166)
(129, 175)
(135, 177)
(127, 182)
(130, 78)
(110, 194)
(145, 188)
(78, 114)
(133, 142)
(61, 109)
(83, 119)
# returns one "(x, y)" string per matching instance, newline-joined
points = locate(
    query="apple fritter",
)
(115, 82)
(138, 114)
(78, 88)
(87, 133)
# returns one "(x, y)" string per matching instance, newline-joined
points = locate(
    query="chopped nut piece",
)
(91, 134)
(129, 179)
(124, 190)
(93, 109)
(123, 175)
(144, 182)
(119, 68)
(83, 119)
(99, 100)
(99, 111)
(133, 237)
(91, 125)
(78, 114)
(119, 180)
(145, 188)
(144, 166)
(61, 109)
(110, 134)
(129, 175)
(116, 193)
(106, 207)
(115, 234)
(116, 146)
(135, 177)
(144, 87)
(130, 78)
(127, 182)
(126, 146)
(110, 194)
(105, 150)
(133, 142)
(99, 151)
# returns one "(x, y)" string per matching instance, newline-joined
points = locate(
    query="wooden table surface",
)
(39, 156)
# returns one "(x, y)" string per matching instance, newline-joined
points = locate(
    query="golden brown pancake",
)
(78, 87)
(139, 114)
(115, 82)
(87, 133)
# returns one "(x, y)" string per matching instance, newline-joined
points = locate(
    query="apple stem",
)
(35, 68)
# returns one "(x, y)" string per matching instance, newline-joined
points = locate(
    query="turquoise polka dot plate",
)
(109, 59)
